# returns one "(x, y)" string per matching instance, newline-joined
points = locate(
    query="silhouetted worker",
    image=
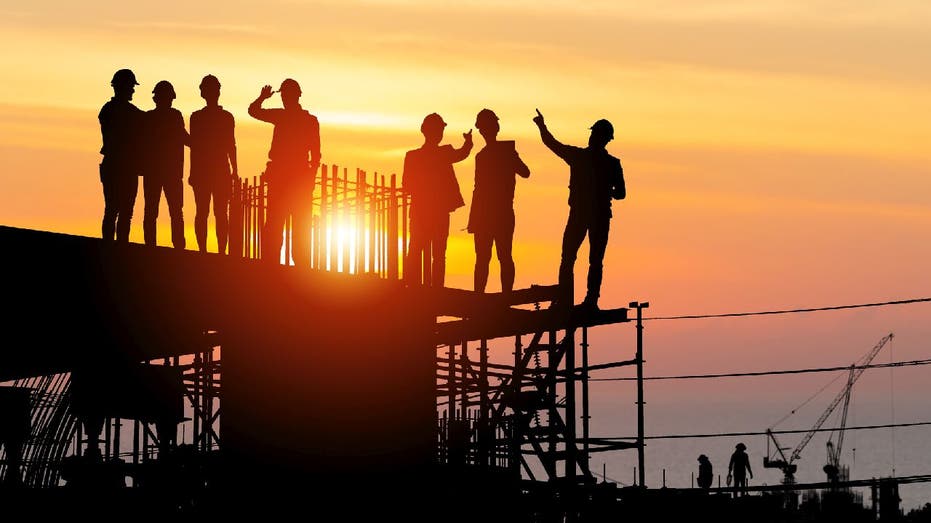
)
(164, 167)
(289, 174)
(430, 179)
(120, 126)
(738, 468)
(705, 472)
(491, 216)
(595, 178)
(213, 164)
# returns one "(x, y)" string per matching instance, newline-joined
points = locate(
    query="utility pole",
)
(639, 358)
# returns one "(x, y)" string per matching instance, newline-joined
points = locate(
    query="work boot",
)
(589, 304)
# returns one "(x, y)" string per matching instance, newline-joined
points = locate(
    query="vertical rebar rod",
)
(324, 216)
(393, 230)
(333, 249)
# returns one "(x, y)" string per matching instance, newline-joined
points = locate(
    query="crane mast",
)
(832, 468)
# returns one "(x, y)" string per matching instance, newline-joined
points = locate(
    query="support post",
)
(640, 436)
(586, 417)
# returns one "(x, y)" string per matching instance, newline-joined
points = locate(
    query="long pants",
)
(502, 236)
(220, 194)
(288, 196)
(152, 187)
(120, 185)
(426, 258)
(578, 225)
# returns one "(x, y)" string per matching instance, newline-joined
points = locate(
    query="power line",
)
(736, 434)
(773, 372)
(789, 311)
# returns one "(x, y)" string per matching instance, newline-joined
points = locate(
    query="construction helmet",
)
(432, 121)
(210, 81)
(123, 77)
(290, 85)
(603, 126)
(485, 117)
(164, 87)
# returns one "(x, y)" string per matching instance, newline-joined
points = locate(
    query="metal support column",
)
(640, 436)
(586, 417)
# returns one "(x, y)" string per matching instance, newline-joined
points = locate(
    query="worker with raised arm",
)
(595, 179)
(430, 180)
(292, 165)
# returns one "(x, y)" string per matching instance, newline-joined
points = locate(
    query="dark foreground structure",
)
(337, 394)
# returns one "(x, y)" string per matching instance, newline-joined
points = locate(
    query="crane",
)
(787, 464)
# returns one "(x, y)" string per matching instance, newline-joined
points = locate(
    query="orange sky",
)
(775, 152)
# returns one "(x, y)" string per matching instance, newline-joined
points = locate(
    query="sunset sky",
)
(776, 156)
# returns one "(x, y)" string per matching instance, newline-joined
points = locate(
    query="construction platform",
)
(340, 385)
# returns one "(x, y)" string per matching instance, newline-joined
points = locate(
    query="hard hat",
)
(290, 85)
(484, 117)
(124, 77)
(164, 87)
(210, 81)
(741, 446)
(432, 121)
(703, 458)
(603, 126)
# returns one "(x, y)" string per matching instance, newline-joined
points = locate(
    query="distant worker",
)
(738, 468)
(705, 472)
(595, 178)
(430, 179)
(491, 216)
(120, 126)
(289, 172)
(213, 164)
(165, 138)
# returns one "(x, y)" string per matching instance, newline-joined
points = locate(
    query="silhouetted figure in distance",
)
(120, 126)
(213, 164)
(705, 472)
(738, 468)
(430, 179)
(164, 167)
(289, 174)
(491, 216)
(595, 178)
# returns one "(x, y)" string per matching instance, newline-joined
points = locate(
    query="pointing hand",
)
(468, 136)
(538, 119)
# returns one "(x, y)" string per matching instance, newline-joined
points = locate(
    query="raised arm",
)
(562, 150)
(463, 152)
(255, 108)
